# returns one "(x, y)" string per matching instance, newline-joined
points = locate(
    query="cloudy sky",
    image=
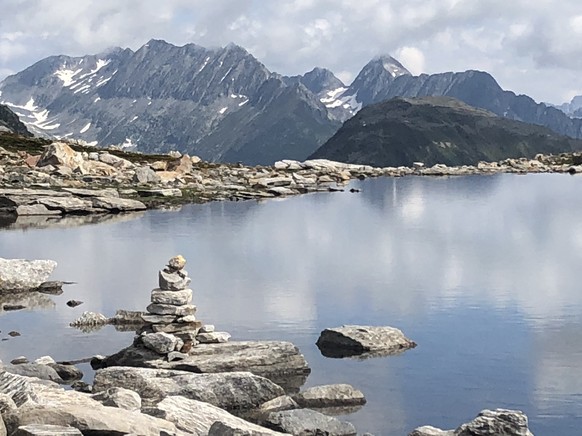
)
(530, 47)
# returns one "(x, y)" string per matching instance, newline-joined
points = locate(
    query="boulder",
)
(308, 422)
(338, 395)
(353, 340)
(177, 298)
(46, 403)
(279, 361)
(119, 397)
(144, 175)
(197, 417)
(43, 372)
(67, 204)
(230, 391)
(498, 422)
(60, 154)
(115, 161)
(161, 343)
(68, 373)
(18, 275)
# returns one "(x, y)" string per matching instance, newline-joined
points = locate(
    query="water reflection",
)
(481, 272)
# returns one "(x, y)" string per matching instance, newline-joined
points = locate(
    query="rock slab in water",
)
(230, 391)
(197, 417)
(46, 430)
(18, 275)
(308, 422)
(353, 340)
(338, 395)
(498, 422)
(277, 360)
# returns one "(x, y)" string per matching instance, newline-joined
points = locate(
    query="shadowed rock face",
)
(9, 121)
(367, 341)
(437, 130)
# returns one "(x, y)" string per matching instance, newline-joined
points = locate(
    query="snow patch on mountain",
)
(84, 129)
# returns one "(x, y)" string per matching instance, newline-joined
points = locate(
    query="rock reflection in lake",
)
(14, 222)
(30, 301)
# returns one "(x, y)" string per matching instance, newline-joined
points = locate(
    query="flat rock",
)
(114, 204)
(284, 402)
(18, 275)
(230, 391)
(338, 395)
(108, 192)
(46, 430)
(353, 340)
(43, 372)
(67, 204)
(197, 417)
(178, 327)
(427, 430)
(158, 319)
(213, 337)
(176, 298)
(169, 309)
(127, 317)
(279, 361)
(308, 422)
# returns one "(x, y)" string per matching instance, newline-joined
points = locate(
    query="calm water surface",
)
(482, 272)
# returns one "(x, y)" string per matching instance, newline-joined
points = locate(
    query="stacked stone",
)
(171, 325)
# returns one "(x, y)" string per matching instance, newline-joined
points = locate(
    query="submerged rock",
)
(353, 340)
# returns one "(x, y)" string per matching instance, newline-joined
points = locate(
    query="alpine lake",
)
(483, 272)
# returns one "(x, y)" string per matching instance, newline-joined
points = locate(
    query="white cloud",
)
(412, 58)
(538, 40)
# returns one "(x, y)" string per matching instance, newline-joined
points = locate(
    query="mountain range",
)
(224, 105)
(437, 130)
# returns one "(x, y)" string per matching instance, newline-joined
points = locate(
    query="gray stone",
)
(338, 395)
(119, 397)
(176, 355)
(35, 210)
(176, 298)
(169, 309)
(173, 281)
(213, 338)
(498, 422)
(43, 372)
(234, 390)
(161, 343)
(108, 192)
(90, 319)
(68, 373)
(145, 175)
(17, 275)
(189, 318)
(179, 327)
(220, 428)
(20, 359)
(46, 430)
(284, 402)
(159, 319)
(207, 328)
(113, 204)
(44, 360)
(352, 340)
(7, 404)
(308, 422)
(67, 204)
(197, 417)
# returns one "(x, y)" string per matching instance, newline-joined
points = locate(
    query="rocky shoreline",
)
(59, 179)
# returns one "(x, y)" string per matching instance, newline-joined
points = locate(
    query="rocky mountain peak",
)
(391, 65)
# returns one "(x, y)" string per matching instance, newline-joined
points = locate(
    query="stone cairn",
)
(171, 326)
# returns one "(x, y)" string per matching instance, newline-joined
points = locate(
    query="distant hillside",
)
(10, 122)
(437, 130)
